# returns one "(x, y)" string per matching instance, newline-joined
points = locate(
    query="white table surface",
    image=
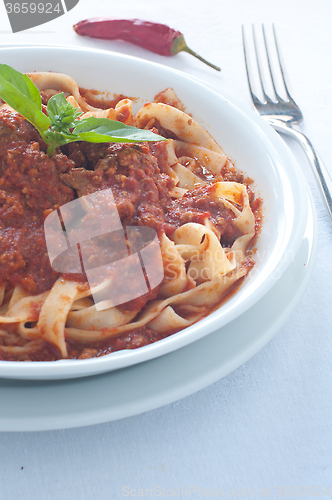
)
(266, 427)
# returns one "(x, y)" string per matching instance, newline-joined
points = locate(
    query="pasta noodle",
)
(86, 289)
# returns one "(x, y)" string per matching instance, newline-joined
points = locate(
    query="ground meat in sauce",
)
(30, 189)
(140, 189)
(199, 204)
(32, 185)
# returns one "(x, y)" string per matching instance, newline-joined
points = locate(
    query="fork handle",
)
(320, 171)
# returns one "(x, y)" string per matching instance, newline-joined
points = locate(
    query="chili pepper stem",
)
(179, 45)
(187, 49)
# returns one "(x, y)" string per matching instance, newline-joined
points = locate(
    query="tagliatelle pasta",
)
(115, 246)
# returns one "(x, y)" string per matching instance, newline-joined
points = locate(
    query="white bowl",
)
(256, 149)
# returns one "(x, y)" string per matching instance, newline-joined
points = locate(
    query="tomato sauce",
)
(30, 188)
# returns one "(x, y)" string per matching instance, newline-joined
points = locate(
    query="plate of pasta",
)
(139, 211)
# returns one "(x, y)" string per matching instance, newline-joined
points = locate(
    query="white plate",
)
(47, 405)
(244, 136)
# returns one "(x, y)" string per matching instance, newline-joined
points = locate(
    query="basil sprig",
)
(62, 124)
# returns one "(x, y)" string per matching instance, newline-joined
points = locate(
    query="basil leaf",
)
(21, 94)
(22, 82)
(94, 129)
(62, 114)
(56, 106)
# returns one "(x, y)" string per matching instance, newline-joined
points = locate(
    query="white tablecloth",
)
(265, 429)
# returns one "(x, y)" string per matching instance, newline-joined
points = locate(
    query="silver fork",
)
(284, 114)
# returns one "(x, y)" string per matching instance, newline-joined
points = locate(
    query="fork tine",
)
(266, 97)
(269, 62)
(280, 64)
(253, 96)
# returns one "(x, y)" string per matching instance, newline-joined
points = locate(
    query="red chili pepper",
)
(156, 37)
